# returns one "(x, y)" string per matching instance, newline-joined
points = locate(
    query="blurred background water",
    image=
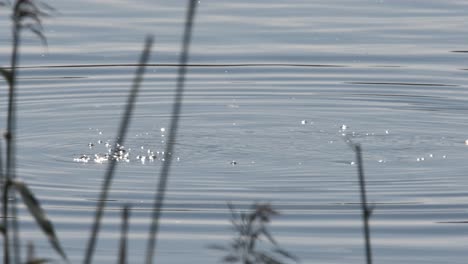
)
(271, 88)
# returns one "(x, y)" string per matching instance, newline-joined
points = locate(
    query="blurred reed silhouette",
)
(365, 208)
(251, 230)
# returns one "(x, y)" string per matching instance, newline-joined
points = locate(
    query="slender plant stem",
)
(366, 212)
(12, 154)
(6, 242)
(11, 117)
(123, 237)
(118, 142)
(176, 109)
(2, 175)
(10, 149)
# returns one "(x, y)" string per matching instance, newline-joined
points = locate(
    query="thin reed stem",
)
(2, 174)
(366, 211)
(6, 240)
(10, 150)
(12, 153)
(118, 142)
(123, 235)
(176, 109)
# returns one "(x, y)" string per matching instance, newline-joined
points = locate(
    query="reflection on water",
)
(271, 90)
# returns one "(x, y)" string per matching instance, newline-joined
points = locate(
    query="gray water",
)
(271, 86)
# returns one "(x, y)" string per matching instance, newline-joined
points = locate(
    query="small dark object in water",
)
(233, 162)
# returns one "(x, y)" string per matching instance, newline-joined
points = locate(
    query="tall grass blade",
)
(123, 237)
(10, 152)
(39, 215)
(366, 210)
(262, 257)
(2, 178)
(160, 192)
(6, 74)
(286, 254)
(119, 141)
(6, 240)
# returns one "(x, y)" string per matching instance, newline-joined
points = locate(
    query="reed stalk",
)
(119, 141)
(26, 15)
(10, 148)
(6, 240)
(176, 109)
(366, 210)
(123, 235)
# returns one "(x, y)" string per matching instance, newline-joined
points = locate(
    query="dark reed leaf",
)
(7, 75)
(28, 14)
(38, 33)
(125, 121)
(39, 215)
(251, 233)
(286, 254)
(175, 115)
(265, 258)
(267, 234)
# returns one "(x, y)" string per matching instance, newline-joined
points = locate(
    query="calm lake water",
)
(273, 85)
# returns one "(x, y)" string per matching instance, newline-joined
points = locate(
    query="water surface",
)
(270, 86)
